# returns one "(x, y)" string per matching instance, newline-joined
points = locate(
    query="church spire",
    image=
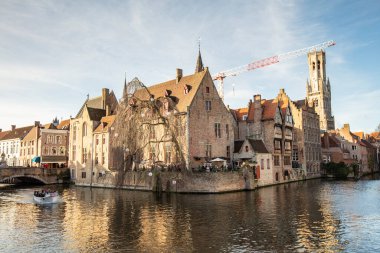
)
(125, 87)
(199, 67)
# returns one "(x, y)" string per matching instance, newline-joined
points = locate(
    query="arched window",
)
(58, 139)
(84, 129)
(54, 150)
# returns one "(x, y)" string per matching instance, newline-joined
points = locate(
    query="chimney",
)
(282, 91)
(108, 110)
(346, 127)
(257, 98)
(178, 75)
(13, 127)
(105, 93)
(36, 123)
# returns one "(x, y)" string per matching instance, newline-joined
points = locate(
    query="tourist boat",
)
(46, 197)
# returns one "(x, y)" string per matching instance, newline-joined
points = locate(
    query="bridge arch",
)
(24, 178)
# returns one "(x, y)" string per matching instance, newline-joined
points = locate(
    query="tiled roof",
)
(31, 135)
(95, 102)
(240, 113)
(3, 134)
(64, 125)
(300, 103)
(269, 109)
(105, 123)
(258, 146)
(96, 114)
(367, 144)
(177, 90)
(49, 126)
(17, 133)
(237, 146)
(375, 135)
(359, 134)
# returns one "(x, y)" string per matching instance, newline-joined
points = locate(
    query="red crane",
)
(266, 62)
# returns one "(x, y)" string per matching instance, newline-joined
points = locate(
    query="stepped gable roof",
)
(3, 134)
(237, 146)
(105, 123)
(258, 146)
(240, 112)
(18, 133)
(96, 114)
(64, 125)
(177, 89)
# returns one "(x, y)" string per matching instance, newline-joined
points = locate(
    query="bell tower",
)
(318, 89)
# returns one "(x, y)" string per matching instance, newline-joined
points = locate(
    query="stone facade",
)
(306, 138)
(272, 122)
(318, 89)
(82, 142)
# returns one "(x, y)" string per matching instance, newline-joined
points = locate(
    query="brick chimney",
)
(13, 127)
(36, 123)
(178, 75)
(108, 110)
(105, 93)
(258, 108)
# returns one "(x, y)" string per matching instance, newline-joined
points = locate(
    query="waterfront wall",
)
(181, 182)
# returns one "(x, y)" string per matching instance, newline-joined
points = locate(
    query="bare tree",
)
(143, 125)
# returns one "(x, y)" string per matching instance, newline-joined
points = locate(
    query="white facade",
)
(10, 149)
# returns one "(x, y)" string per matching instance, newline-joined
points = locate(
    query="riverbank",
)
(187, 182)
(5, 185)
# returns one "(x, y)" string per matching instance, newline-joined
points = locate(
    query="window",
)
(315, 103)
(262, 164)
(287, 145)
(84, 155)
(276, 160)
(104, 139)
(152, 154)
(74, 131)
(50, 139)
(168, 153)
(103, 157)
(217, 130)
(58, 139)
(208, 105)
(227, 132)
(295, 155)
(62, 150)
(228, 151)
(96, 158)
(246, 148)
(286, 160)
(207, 89)
(277, 144)
(97, 140)
(74, 153)
(54, 150)
(83, 174)
(245, 117)
(353, 147)
(46, 150)
(268, 164)
(152, 133)
(84, 130)
(208, 150)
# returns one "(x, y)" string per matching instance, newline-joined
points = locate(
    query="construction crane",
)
(266, 62)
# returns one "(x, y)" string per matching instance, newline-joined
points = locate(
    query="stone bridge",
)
(17, 175)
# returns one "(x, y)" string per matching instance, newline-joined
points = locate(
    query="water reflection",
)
(305, 216)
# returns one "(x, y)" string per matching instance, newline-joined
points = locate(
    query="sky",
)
(54, 53)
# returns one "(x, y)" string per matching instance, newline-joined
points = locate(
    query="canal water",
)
(308, 216)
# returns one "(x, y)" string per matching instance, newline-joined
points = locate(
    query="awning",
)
(36, 159)
(218, 160)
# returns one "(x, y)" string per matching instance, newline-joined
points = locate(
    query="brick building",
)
(272, 122)
(306, 138)
(183, 123)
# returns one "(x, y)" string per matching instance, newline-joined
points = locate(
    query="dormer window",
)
(167, 93)
(246, 149)
(245, 117)
(207, 89)
(186, 88)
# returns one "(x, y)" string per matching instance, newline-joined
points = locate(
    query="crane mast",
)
(266, 62)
